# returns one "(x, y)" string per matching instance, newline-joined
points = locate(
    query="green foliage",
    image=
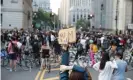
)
(43, 18)
(83, 23)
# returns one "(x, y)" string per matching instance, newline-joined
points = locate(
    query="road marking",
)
(129, 79)
(42, 75)
(54, 69)
(38, 75)
(53, 78)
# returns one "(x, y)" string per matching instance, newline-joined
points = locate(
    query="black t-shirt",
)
(35, 45)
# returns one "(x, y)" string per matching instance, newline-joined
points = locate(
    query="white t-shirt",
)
(19, 45)
(107, 72)
(52, 38)
(83, 43)
(102, 39)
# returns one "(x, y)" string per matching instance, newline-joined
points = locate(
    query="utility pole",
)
(117, 14)
(101, 14)
(54, 21)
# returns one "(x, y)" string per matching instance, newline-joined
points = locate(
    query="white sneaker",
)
(10, 70)
(15, 70)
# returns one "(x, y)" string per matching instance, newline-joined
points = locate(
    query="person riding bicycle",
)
(36, 48)
(44, 55)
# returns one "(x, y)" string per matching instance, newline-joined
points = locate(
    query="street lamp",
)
(90, 16)
(117, 14)
(102, 8)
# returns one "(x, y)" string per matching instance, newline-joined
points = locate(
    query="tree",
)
(83, 23)
(43, 18)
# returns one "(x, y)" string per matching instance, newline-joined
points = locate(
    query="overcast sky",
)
(55, 4)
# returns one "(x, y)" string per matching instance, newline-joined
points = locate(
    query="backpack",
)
(14, 47)
(79, 47)
(105, 43)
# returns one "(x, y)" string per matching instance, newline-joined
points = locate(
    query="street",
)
(42, 38)
(35, 74)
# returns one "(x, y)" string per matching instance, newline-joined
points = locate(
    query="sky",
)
(55, 4)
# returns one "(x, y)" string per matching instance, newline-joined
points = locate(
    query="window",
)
(73, 18)
(85, 16)
(81, 15)
(77, 17)
(1, 19)
(14, 1)
(1, 2)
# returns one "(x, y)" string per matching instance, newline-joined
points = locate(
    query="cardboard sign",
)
(67, 36)
(71, 35)
(63, 36)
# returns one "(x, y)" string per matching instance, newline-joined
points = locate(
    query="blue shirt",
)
(119, 73)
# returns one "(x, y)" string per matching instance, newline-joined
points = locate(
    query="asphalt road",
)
(36, 74)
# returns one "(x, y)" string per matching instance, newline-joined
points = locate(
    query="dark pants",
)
(77, 54)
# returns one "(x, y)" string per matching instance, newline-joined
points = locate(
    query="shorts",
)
(13, 56)
(45, 53)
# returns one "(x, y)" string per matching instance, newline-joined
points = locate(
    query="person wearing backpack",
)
(12, 51)
(79, 50)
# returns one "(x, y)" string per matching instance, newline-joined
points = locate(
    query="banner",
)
(67, 36)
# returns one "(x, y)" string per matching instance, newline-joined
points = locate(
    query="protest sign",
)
(63, 36)
(67, 36)
(71, 35)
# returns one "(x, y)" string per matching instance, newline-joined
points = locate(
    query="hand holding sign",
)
(67, 36)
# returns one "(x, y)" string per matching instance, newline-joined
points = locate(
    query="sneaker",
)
(10, 70)
(15, 70)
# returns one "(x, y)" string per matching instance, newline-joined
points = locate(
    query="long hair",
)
(76, 75)
(104, 59)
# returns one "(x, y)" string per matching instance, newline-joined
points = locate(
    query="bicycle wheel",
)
(6, 62)
(26, 65)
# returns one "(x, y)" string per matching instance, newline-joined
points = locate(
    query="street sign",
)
(130, 26)
(38, 25)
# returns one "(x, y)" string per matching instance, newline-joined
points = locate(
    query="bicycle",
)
(47, 59)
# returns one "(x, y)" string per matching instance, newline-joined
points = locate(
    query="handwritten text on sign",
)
(67, 36)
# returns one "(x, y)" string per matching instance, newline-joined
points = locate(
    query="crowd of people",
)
(111, 65)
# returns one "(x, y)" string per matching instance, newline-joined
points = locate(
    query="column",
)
(132, 11)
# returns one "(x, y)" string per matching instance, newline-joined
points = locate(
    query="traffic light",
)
(90, 16)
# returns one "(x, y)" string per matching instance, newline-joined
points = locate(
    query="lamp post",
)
(53, 15)
(117, 14)
(90, 16)
(102, 8)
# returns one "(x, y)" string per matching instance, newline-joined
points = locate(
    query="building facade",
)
(16, 14)
(73, 10)
(43, 4)
(112, 14)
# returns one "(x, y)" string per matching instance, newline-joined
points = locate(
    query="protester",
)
(91, 52)
(105, 67)
(119, 73)
(79, 50)
(44, 55)
(12, 51)
(76, 70)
